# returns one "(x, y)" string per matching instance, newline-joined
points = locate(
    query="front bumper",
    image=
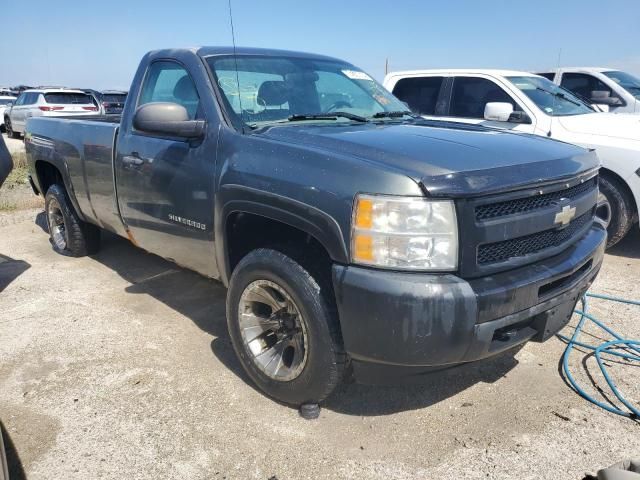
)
(406, 323)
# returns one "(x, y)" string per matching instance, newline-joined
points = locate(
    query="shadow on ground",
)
(628, 246)
(10, 269)
(203, 302)
(13, 462)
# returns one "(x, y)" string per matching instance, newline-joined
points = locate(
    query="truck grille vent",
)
(520, 205)
(534, 243)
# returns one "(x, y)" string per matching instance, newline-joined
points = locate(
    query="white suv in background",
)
(4, 101)
(51, 102)
(528, 103)
(614, 90)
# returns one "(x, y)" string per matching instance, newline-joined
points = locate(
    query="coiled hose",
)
(619, 347)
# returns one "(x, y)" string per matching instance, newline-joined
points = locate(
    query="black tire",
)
(76, 238)
(325, 360)
(621, 208)
(9, 130)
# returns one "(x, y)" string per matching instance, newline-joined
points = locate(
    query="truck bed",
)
(84, 148)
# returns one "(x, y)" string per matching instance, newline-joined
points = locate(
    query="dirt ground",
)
(120, 366)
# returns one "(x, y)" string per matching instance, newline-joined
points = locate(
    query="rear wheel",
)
(9, 130)
(68, 234)
(615, 206)
(283, 329)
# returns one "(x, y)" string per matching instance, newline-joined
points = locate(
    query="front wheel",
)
(615, 207)
(68, 234)
(283, 329)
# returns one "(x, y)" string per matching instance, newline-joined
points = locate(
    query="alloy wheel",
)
(57, 227)
(273, 330)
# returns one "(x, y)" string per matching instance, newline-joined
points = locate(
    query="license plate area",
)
(551, 321)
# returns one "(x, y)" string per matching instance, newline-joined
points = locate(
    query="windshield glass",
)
(549, 97)
(627, 81)
(269, 90)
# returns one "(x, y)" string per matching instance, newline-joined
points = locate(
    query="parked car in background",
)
(355, 237)
(524, 102)
(95, 97)
(612, 90)
(112, 101)
(5, 101)
(46, 102)
(109, 102)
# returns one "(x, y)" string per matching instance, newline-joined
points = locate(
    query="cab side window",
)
(420, 93)
(471, 94)
(584, 84)
(170, 82)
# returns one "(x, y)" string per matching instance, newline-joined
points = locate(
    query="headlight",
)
(412, 233)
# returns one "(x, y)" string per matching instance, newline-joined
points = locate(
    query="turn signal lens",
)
(363, 247)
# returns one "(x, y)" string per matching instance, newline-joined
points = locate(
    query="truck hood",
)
(614, 125)
(447, 158)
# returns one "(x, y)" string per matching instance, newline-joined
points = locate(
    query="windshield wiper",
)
(326, 116)
(397, 114)
(559, 95)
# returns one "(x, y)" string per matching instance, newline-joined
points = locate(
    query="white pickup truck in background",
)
(528, 103)
(607, 88)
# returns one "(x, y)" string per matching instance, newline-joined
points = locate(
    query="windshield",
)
(267, 90)
(627, 81)
(549, 97)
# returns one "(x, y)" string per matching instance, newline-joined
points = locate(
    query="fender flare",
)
(304, 217)
(59, 165)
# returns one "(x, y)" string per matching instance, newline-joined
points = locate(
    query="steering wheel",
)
(338, 104)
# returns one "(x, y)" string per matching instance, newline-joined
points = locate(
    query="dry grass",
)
(16, 193)
(19, 159)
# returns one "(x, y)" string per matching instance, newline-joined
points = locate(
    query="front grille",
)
(521, 205)
(529, 244)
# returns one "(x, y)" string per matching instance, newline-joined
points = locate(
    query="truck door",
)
(166, 185)
(470, 95)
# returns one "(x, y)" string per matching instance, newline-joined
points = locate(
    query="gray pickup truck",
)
(355, 239)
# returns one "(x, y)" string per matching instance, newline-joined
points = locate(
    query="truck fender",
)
(304, 217)
(59, 164)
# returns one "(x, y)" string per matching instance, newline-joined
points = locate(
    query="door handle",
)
(132, 160)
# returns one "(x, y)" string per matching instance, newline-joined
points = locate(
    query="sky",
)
(97, 44)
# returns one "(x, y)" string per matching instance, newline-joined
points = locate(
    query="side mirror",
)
(166, 118)
(603, 97)
(519, 117)
(498, 111)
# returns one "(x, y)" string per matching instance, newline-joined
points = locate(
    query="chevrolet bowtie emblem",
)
(565, 215)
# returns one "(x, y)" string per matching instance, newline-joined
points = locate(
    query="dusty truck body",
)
(354, 238)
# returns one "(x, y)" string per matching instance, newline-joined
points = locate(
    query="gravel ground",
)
(119, 366)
